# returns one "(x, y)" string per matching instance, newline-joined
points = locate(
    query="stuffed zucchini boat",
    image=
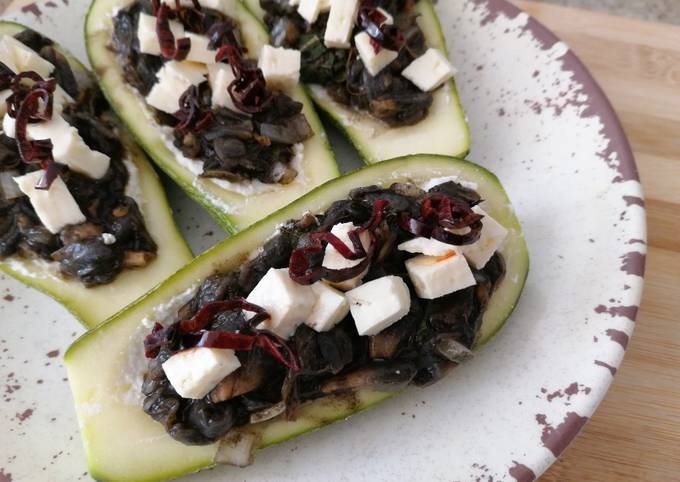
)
(238, 134)
(378, 68)
(277, 331)
(83, 216)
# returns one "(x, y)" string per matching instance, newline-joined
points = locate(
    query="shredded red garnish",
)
(439, 216)
(193, 334)
(191, 115)
(249, 88)
(30, 102)
(382, 35)
(170, 48)
(300, 266)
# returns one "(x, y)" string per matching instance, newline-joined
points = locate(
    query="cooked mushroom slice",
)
(381, 376)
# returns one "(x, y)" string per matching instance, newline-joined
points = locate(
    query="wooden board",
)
(635, 435)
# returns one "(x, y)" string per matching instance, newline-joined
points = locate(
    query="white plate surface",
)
(542, 125)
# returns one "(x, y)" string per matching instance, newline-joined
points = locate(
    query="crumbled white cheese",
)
(378, 304)
(55, 206)
(174, 78)
(434, 277)
(287, 302)
(280, 66)
(108, 239)
(430, 70)
(491, 239)
(374, 62)
(331, 308)
(195, 372)
(341, 23)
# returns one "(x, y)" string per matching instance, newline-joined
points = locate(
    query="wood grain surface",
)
(635, 434)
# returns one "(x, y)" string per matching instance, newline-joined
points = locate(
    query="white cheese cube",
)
(330, 308)
(310, 10)
(8, 126)
(69, 148)
(220, 77)
(379, 304)
(195, 372)
(148, 38)
(293, 3)
(430, 70)
(374, 62)
(225, 6)
(21, 58)
(341, 23)
(492, 237)
(287, 302)
(389, 19)
(4, 95)
(427, 246)
(200, 52)
(280, 66)
(434, 277)
(334, 260)
(174, 79)
(55, 206)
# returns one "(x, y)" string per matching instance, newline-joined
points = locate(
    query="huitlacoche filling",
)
(85, 222)
(311, 315)
(236, 139)
(370, 55)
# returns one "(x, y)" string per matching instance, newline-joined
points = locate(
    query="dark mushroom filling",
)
(387, 96)
(278, 375)
(83, 251)
(257, 141)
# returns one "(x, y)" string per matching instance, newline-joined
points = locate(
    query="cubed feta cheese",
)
(373, 62)
(200, 52)
(220, 77)
(434, 277)
(174, 79)
(55, 206)
(427, 246)
(4, 95)
(287, 302)
(330, 308)
(430, 70)
(195, 372)
(68, 147)
(310, 10)
(225, 6)
(491, 239)
(280, 66)
(334, 260)
(293, 3)
(148, 38)
(341, 23)
(21, 58)
(378, 304)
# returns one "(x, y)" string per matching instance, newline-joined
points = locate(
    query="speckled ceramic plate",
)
(542, 124)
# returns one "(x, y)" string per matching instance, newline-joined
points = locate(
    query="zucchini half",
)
(231, 210)
(125, 444)
(445, 131)
(94, 305)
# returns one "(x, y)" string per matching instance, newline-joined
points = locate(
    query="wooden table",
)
(635, 434)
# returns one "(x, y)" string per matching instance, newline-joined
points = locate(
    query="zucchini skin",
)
(94, 364)
(91, 306)
(231, 211)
